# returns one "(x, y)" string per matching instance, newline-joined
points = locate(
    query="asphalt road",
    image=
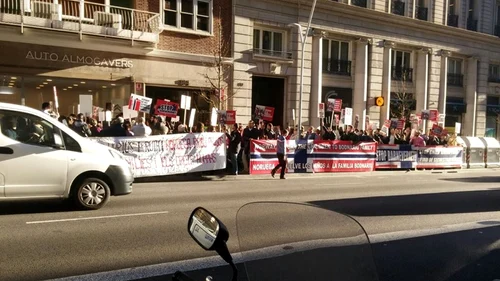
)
(423, 225)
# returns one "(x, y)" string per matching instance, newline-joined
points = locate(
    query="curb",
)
(221, 176)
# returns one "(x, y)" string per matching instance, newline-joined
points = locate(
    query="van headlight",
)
(116, 154)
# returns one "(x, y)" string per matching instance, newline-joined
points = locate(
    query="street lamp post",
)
(303, 39)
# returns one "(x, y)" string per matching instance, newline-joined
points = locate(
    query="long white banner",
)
(171, 154)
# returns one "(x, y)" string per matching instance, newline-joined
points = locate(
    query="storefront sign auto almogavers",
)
(75, 59)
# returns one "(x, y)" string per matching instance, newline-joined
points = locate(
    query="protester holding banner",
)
(140, 129)
(249, 134)
(417, 140)
(280, 153)
(234, 147)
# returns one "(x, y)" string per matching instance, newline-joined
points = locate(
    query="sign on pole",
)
(321, 110)
(348, 116)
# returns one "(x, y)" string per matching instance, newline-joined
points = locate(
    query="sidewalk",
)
(222, 176)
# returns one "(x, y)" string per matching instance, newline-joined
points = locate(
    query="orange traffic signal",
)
(379, 101)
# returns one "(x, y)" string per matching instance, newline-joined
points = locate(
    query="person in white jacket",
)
(140, 129)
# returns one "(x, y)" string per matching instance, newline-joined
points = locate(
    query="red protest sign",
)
(437, 130)
(401, 124)
(166, 108)
(265, 113)
(334, 105)
(433, 115)
(227, 117)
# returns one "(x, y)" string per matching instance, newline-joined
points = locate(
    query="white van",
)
(42, 158)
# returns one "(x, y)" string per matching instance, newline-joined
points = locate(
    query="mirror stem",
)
(235, 271)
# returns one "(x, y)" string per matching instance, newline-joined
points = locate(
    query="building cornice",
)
(354, 12)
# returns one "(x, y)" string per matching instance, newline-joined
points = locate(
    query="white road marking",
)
(98, 218)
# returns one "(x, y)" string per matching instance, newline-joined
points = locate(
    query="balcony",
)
(497, 30)
(421, 13)
(455, 79)
(472, 24)
(453, 20)
(402, 74)
(271, 55)
(337, 67)
(494, 79)
(82, 17)
(398, 8)
(359, 3)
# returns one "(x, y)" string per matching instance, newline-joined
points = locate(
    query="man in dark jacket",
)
(234, 147)
(249, 133)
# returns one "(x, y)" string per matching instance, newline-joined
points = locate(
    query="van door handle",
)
(6, 150)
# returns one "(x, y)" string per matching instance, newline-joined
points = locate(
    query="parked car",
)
(41, 157)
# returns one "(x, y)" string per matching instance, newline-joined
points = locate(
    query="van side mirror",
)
(211, 234)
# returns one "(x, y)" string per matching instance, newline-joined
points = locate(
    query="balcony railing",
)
(497, 30)
(421, 13)
(455, 79)
(398, 7)
(359, 3)
(337, 67)
(452, 20)
(472, 24)
(272, 53)
(494, 79)
(83, 17)
(402, 74)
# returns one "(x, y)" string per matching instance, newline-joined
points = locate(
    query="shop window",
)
(269, 42)
(192, 15)
(492, 116)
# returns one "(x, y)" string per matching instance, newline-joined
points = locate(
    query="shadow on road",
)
(488, 179)
(417, 204)
(456, 256)
(38, 206)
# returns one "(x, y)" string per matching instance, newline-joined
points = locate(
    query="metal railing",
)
(421, 13)
(402, 74)
(472, 24)
(272, 53)
(452, 20)
(398, 7)
(494, 79)
(81, 13)
(455, 79)
(337, 67)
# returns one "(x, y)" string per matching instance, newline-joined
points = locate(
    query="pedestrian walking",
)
(280, 153)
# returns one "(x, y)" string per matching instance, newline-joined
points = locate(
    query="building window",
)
(494, 73)
(336, 57)
(398, 7)
(401, 66)
(472, 16)
(193, 15)
(453, 13)
(269, 43)
(497, 21)
(422, 10)
(455, 76)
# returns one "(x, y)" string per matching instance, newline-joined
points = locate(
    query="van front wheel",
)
(92, 194)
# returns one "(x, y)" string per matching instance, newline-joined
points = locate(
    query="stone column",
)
(360, 95)
(316, 79)
(422, 80)
(386, 82)
(469, 123)
(443, 87)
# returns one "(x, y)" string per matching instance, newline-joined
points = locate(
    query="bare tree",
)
(218, 72)
(401, 101)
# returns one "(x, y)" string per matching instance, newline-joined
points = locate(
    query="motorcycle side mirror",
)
(211, 234)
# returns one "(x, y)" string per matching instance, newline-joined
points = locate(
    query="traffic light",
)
(379, 101)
